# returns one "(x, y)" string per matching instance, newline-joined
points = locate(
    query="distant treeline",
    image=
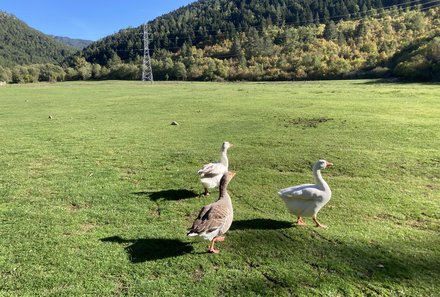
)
(79, 70)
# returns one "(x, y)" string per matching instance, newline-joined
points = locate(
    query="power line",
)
(413, 3)
(410, 4)
(436, 3)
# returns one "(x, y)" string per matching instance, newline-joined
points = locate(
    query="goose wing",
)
(304, 192)
(212, 169)
(211, 217)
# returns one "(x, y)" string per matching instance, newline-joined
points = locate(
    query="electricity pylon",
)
(147, 72)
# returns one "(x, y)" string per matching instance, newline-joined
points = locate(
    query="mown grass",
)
(96, 199)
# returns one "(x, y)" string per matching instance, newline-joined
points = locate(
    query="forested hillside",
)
(395, 41)
(20, 44)
(208, 22)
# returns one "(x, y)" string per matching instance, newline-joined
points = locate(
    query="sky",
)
(90, 20)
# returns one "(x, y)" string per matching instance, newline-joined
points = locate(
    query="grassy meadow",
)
(97, 189)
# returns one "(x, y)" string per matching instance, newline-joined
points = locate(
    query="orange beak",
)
(328, 164)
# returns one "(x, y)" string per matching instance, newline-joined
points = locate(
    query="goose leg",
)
(300, 222)
(318, 224)
(211, 247)
(206, 193)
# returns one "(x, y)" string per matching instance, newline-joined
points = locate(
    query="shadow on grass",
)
(261, 224)
(150, 249)
(172, 194)
(353, 262)
(398, 81)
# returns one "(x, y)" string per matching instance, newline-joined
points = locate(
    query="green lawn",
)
(96, 199)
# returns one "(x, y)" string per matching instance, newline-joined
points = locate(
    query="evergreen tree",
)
(330, 31)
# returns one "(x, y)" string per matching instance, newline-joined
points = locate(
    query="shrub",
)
(5, 74)
(416, 68)
(51, 73)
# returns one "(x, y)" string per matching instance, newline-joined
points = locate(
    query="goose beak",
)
(231, 145)
(328, 164)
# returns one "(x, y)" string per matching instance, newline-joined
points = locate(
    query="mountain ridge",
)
(73, 42)
(20, 44)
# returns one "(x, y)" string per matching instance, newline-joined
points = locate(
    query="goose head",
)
(322, 164)
(226, 145)
(227, 177)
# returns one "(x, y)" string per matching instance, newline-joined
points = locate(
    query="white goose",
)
(211, 173)
(215, 219)
(306, 200)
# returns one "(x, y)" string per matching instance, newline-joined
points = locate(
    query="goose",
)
(215, 219)
(306, 200)
(211, 173)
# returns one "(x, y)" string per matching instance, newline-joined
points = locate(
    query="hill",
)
(368, 46)
(76, 43)
(21, 44)
(208, 22)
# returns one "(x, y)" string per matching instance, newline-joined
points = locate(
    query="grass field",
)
(96, 199)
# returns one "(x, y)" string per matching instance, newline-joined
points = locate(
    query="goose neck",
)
(320, 180)
(223, 188)
(224, 158)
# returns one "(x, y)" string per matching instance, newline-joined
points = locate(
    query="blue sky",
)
(92, 19)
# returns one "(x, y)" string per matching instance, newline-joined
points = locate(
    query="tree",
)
(51, 73)
(83, 68)
(209, 73)
(25, 74)
(5, 74)
(96, 71)
(113, 60)
(85, 72)
(180, 71)
(416, 22)
(330, 31)
(125, 71)
(417, 68)
(71, 74)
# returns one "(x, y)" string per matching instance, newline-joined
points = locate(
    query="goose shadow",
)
(171, 194)
(365, 260)
(261, 224)
(150, 249)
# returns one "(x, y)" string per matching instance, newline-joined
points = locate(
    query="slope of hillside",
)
(20, 44)
(207, 22)
(419, 60)
(76, 43)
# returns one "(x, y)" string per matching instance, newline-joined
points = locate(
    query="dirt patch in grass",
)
(307, 122)
(198, 275)
(126, 173)
(86, 228)
(421, 223)
(83, 229)
(74, 207)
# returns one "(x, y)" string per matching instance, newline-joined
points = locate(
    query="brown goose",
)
(215, 219)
